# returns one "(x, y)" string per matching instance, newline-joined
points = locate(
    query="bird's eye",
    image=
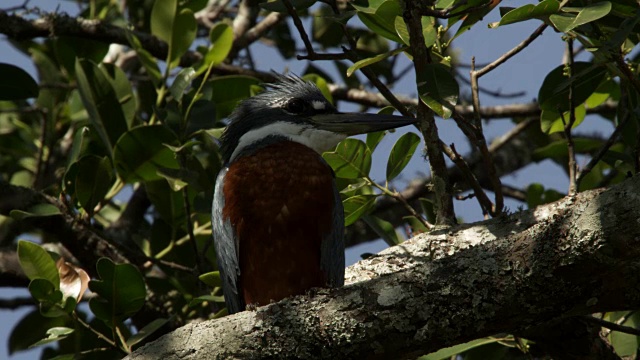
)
(294, 106)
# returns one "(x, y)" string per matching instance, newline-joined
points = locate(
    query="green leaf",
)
(221, 37)
(551, 120)
(31, 328)
(278, 5)
(37, 263)
(401, 153)
(148, 61)
(182, 82)
(37, 210)
(227, 91)
(121, 292)
(558, 148)
(168, 203)
(321, 83)
(438, 89)
(184, 32)
(383, 21)
(141, 151)
(527, 12)
(583, 15)
(16, 83)
(211, 278)
(384, 229)
(351, 159)
(100, 99)
(429, 31)
(374, 138)
(447, 353)
(607, 89)
(81, 140)
(163, 14)
(44, 290)
(54, 334)
(554, 92)
(124, 92)
(146, 331)
(625, 345)
(356, 206)
(471, 18)
(94, 179)
(372, 60)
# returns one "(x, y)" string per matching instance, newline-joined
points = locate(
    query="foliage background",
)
(526, 72)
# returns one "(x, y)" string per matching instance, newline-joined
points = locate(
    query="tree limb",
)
(573, 257)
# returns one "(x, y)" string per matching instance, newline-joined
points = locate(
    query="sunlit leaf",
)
(576, 16)
(554, 92)
(351, 159)
(383, 228)
(552, 121)
(527, 12)
(37, 263)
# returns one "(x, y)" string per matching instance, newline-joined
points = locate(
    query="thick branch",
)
(447, 287)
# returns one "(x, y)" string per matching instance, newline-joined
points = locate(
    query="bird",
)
(277, 216)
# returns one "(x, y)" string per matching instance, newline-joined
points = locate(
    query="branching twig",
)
(573, 188)
(612, 326)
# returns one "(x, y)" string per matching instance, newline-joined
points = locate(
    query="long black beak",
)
(359, 123)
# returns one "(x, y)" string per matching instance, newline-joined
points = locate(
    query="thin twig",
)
(483, 199)
(396, 195)
(509, 135)
(506, 56)
(603, 150)
(100, 335)
(612, 326)
(573, 187)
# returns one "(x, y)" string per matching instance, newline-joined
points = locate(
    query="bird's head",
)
(294, 109)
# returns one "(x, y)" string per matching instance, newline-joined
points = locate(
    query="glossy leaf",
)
(438, 89)
(401, 153)
(163, 14)
(221, 37)
(54, 334)
(554, 92)
(374, 138)
(184, 32)
(37, 210)
(429, 31)
(182, 82)
(356, 206)
(471, 18)
(351, 159)
(16, 83)
(527, 12)
(576, 16)
(382, 21)
(141, 151)
(121, 291)
(211, 278)
(372, 60)
(37, 263)
(100, 99)
(93, 180)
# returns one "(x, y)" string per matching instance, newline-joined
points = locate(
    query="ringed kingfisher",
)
(277, 218)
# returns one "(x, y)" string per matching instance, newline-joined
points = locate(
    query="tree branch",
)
(447, 287)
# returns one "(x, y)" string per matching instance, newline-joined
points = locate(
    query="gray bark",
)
(574, 257)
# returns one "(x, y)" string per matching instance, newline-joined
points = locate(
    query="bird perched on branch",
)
(278, 221)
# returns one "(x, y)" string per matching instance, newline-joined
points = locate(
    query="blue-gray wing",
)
(332, 252)
(226, 245)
